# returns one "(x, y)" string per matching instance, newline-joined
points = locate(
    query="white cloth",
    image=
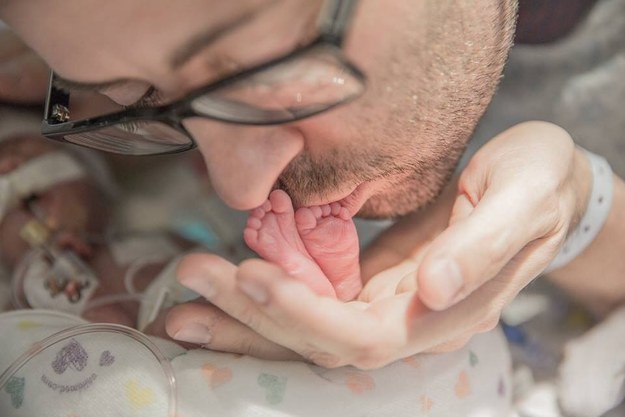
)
(592, 374)
(36, 272)
(472, 382)
(36, 175)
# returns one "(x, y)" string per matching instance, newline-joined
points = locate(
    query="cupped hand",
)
(444, 274)
(516, 202)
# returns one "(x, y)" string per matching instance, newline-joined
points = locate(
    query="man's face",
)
(432, 66)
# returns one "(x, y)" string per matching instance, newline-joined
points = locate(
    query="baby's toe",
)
(280, 202)
(305, 219)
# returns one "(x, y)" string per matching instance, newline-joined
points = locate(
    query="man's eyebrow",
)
(197, 44)
(204, 39)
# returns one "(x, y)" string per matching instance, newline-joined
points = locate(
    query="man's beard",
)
(405, 195)
(406, 183)
(306, 178)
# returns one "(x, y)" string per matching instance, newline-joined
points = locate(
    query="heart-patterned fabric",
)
(112, 375)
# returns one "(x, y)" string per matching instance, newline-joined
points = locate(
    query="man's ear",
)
(23, 75)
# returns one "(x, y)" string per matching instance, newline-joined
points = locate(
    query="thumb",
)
(477, 245)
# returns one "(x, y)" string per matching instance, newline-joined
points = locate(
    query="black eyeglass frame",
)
(332, 27)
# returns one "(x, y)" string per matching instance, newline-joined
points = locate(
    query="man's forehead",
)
(87, 42)
(232, 19)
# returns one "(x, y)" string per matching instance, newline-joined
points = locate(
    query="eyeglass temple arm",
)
(55, 96)
(335, 18)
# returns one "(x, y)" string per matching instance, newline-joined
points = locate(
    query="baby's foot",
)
(330, 237)
(271, 232)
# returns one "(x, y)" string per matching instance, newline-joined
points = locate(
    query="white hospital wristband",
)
(595, 216)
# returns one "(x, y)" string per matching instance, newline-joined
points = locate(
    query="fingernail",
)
(193, 333)
(254, 291)
(446, 280)
(200, 285)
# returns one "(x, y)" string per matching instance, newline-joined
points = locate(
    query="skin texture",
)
(316, 245)
(430, 76)
(527, 225)
(431, 71)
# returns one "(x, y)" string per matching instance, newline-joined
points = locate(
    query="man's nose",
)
(244, 162)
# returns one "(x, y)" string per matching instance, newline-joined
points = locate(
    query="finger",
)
(462, 208)
(391, 281)
(475, 248)
(157, 327)
(450, 346)
(205, 325)
(324, 330)
(328, 332)
(436, 331)
(458, 343)
(214, 278)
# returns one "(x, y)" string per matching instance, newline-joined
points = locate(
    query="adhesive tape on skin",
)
(35, 176)
(38, 283)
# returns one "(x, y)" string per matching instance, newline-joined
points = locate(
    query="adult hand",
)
(511, 211)
(23, 75)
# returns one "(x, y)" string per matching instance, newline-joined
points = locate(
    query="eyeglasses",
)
(309, 80)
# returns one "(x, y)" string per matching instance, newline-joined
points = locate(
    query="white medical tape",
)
(35, 176)
(35, 273)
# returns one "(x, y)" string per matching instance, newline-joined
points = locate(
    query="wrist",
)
(582, 181)
(595, 278)
(595, 211)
